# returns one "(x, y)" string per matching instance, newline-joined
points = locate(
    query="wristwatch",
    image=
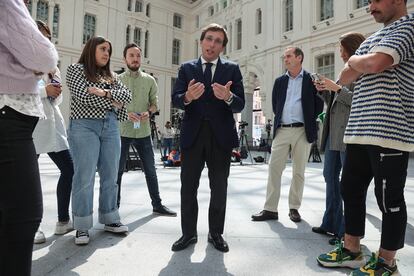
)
(230, 99)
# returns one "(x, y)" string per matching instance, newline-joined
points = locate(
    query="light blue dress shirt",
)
(292, 110)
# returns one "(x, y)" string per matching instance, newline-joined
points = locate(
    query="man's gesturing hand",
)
(222, 92)
(194, 91)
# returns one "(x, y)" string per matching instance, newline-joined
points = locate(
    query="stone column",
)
(247, 113)
(34, 8)
(50, 10)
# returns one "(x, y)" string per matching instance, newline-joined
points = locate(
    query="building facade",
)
(168, 32)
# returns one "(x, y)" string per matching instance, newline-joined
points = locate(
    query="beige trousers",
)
(293, 138)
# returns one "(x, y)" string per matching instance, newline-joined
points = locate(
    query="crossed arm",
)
(371, 63)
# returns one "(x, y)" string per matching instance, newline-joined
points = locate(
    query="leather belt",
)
(292, 125)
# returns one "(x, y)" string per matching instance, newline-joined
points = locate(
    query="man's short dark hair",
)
(130, 45)
(297, 51)
(214, 28)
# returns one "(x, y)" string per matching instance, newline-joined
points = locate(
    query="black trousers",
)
(388, 167)
(20, 192)
(63, 161)
(205, 150)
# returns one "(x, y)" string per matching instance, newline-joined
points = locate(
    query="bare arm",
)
(348, 75)
(371, 63)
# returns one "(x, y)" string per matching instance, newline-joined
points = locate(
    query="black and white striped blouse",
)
(84, 105)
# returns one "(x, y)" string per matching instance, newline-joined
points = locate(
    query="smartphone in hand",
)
(137, 124)
(315, 77)
(55, 82)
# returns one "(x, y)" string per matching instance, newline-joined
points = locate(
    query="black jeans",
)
(388, 167)
(63, 161)
(20, 192)
(146, 154)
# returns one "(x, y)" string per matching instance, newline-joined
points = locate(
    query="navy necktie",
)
(207, 76)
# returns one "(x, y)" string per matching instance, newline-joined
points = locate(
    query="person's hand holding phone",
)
(134, 116)
(324, 84)
(53, 89)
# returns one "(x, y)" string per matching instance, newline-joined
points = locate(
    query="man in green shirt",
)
(137, 130)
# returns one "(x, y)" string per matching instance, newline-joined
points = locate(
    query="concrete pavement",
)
(256, 248)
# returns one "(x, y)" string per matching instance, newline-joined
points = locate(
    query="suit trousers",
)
(293, 139)
(205, 150)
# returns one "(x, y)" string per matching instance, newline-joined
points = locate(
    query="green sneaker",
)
(341, 257)
(376, 267)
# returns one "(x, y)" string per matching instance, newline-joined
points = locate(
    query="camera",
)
(269, 126)
(242, 124)
(152, 115)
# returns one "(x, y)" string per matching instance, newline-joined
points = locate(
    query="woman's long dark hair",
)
(92, 71)
(351, 41)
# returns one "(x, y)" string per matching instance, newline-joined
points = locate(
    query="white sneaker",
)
(39, 237)
(82, 237)
(63, 227)
(116, 228)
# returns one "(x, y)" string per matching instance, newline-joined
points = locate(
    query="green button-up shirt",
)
(144, 94)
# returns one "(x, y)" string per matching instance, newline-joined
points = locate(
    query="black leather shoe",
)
(218, 242)
(265, 215)
(320, 230)
(183, 243)
(164, 211)
(294, 215)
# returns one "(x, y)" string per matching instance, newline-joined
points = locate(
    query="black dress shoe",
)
(164, 211)
(265, 215)
(183, 242)
(320, 230)
(218, 242)
(294, 215)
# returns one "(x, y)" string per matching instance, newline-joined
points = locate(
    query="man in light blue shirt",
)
(292, 111)
(296, 106)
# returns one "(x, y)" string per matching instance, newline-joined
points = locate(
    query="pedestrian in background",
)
(168, 137)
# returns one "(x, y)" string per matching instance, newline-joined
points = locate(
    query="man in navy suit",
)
(210, 90)
(296, 106)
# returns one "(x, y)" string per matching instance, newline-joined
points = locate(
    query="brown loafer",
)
(265, 215)
(294, 215)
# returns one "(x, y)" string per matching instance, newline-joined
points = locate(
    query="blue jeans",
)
(333, 219)
(95, 144)
(146, 154)
(167, 145)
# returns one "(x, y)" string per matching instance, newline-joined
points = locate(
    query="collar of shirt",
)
(299, 75)
(213, 67)
(203, 61)
(134, 74)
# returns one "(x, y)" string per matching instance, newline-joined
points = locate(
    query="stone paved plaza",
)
(256, 248)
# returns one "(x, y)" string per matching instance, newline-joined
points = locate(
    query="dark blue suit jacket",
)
(312, 104)
(208, 107)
